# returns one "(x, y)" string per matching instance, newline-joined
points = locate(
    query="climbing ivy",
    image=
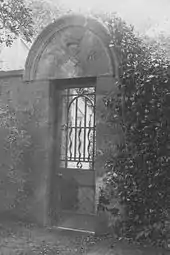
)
(140, 170)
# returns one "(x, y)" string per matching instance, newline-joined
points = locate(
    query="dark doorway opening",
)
(73, 173)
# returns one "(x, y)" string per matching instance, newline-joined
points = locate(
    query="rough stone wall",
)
(24, 146)
(27, 136)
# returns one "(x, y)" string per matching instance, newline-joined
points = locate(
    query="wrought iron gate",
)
(75, 172)
(77, 150)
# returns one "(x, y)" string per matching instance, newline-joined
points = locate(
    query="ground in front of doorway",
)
(17, 238)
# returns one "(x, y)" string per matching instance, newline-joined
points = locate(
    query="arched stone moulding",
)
(50, 57)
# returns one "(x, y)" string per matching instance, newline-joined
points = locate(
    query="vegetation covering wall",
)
(138, 175)
(24, 145)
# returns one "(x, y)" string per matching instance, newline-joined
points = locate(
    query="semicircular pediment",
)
(77, 48)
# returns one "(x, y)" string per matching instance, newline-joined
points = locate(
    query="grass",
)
(16, 238)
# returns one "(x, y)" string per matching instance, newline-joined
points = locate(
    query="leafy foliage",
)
(43, 13)
(15, 19)
(142, 164)
(16, 141)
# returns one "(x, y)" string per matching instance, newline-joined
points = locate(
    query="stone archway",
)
(73, 51)
(72, 46)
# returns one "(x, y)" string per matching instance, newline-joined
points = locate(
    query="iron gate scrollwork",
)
(78, 128)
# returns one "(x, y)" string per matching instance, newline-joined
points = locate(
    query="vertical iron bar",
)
(94, 147)
(67, 115)
(79, 164)
(75, 145)
(70, 139)
(85, 115)
(89, 142)
(94, 129)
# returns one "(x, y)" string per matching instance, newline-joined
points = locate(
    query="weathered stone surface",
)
(8, 187)
(72, 46)
(36, 95)
(23, 98)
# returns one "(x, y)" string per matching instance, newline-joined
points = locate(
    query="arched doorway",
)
(75, 58)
